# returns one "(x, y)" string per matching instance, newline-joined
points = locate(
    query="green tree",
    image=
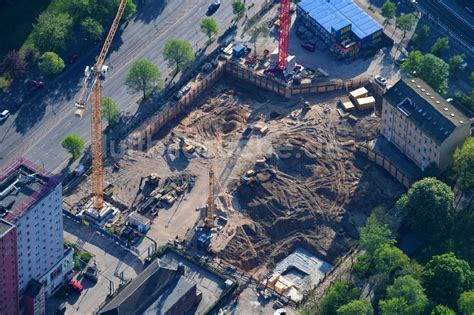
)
(456, 64)
(471, 78)
(442, 310)
(394, 306)
(405, 23)
(13, 64)
(466, 303)
(340, 293)
(30, 54)
(52, 31)
(91, 29)
(435, 72)
(428, 206)
(374, 235)
(389, 9)
(390, 260)
(463, 164)
(209, 27)
(445, 277)
(178, 54)
(74, 145)
(51, 64)
(356, 307)
(411, 290)
(238, 7)
(104, 11)
(110, 111)
(423, 34)
(143, 77)
(441, 45)
(413, 62)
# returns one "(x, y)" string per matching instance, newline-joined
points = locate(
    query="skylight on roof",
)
(445, 109)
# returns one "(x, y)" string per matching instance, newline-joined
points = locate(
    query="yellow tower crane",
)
(209, 220)
(93, 85)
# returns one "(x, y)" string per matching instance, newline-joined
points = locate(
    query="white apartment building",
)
(422, 124)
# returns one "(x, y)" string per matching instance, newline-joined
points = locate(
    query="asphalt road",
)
(37, 129)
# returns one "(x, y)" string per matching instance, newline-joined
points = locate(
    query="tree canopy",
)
(374, 235)
(410, 290)
(442, 310)
(456, 63)
(441, 45)
(423, 34)
(143, 77)
(405, 22)
(178, 53)
(340, 293)
(52, 31)
(91, 29)
(74, 145)
(428, 206)
(466, 303)
(463, 164)
(389, 10)
(445, 277)
(390, 260)
(209, 27)
(110, 111)
(430, 68)
(13, 64)
(51, 64)
(394, 306)
(238, 7)
(356, 307)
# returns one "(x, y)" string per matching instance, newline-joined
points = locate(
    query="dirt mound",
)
(220, 115)
(311, 194)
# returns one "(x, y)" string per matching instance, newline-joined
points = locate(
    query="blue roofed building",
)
(341, 24)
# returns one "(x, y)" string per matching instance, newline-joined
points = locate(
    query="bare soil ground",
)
(314, 193)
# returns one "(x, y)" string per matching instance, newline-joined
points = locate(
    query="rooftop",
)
(21, 185)
(337, 14)
(4, 227)
(426, 108)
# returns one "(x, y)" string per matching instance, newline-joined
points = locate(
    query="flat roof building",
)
(31, 200)
(341, 23)
(422, 124)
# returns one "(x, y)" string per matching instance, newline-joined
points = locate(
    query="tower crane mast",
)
(92, 85)
(285, 21)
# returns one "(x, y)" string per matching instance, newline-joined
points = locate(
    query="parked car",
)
(308, 47)
(214, 6)
(76, 286)
(73, 58)
(381, 80)
(91, 274)
(35, 84)
(61, 309)
(4, 115)
(399, 61)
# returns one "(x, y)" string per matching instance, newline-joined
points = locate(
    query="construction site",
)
(285, 175)
(243, 170)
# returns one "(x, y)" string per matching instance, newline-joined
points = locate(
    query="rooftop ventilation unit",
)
(418, 86)
(422, 90)
(445, 109)
(428, 93)
(452, 115)
(461, 122)
(412, 81)
(438, 102)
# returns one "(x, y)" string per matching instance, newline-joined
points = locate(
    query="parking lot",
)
(112, 262)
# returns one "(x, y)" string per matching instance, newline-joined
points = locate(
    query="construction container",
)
(347, 106)
(360, 92)
(140, 222)
(366, 103)
(273, 280)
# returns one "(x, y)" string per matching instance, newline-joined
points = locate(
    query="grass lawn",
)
(16, 22)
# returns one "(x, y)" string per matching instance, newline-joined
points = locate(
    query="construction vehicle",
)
(93, 85)
(153, 179)
(185, 146)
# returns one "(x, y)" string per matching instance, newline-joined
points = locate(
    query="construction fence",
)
(142, 138)
(283, 89)
(405, 179)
